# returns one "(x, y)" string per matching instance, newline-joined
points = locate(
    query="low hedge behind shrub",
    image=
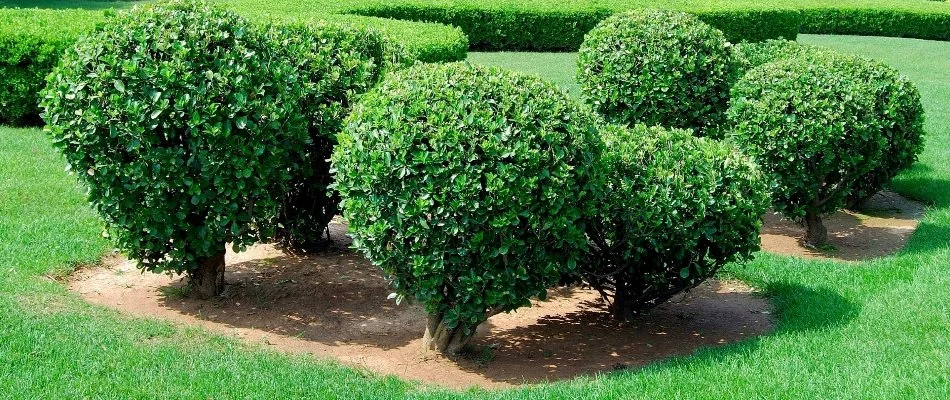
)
(675, 209)
(179, 117)
(657, 67)
(468, 186)
(33, 40)
(31, 43)
(930, 23)
(562, 27)
(824, 126)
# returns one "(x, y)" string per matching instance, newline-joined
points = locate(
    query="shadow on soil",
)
(340, 299)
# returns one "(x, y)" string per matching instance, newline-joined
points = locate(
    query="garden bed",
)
(334, 305)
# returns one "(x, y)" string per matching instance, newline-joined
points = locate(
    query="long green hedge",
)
(32, 40)
(553, 25)
(561, 29)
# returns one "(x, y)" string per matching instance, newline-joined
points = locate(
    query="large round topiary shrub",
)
(336, 63)
(676, 208)
(179, 117)
(658, 68)
(826, 127)
(468, 186)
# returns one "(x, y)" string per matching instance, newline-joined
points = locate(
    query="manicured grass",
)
(878, 329)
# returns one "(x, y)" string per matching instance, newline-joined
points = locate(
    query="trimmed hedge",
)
(33, 40)
(657, 67)
(560, 29)
(875, 21)
(468, 186)
(337, 64)
(31, 44)
(675, 209)
(828, 128)
(180, 118)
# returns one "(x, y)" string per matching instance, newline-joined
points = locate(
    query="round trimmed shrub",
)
(899, 110)
(814, 124)
(657, 68)
(337, 63)
(468, 186)
(676, 208)
(179, 117)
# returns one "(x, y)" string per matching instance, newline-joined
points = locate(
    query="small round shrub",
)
(812, 123)
(468, 186)
(657, 68)
(179, 117)
(336, 63)
(675, 209)
(899, 110)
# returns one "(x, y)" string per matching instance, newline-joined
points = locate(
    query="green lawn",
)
(877, 329)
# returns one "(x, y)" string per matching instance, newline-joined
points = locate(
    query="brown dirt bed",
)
(335, 305)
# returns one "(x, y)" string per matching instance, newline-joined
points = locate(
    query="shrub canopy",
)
(826, 127)
(675, 209)
(657, 68)
(336, 63)
(467, 185)
(179, 118)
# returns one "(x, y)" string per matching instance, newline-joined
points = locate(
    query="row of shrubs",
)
(32, 40)
(552, 26)
(831, 130)
(475, 189)
(562, 28)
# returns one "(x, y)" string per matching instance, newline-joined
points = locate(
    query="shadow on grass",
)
(797, 308)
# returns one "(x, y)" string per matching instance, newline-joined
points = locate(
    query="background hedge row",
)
(564, 30)
(32, 41)
(549, 25)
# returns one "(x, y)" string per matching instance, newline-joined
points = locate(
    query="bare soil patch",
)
(334, 305)
(881, 227)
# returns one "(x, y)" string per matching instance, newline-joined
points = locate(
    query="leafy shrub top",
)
(658, 68)
(337, 63)
(676, 209)
(811, 121)
(468, 185)
(179, 118)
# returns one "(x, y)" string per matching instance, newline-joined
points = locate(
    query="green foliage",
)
(751, 55)
(812, 123)
(31, 42)
(658, 68)
(899, 111)
(920, 20)
(467, 186)
(677, 208)
(562, 26)
(336, 64)
(897, 107)
(179, 118)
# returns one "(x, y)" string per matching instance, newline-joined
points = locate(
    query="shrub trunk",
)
(443, 339)
(208, 280)
(816, 233)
